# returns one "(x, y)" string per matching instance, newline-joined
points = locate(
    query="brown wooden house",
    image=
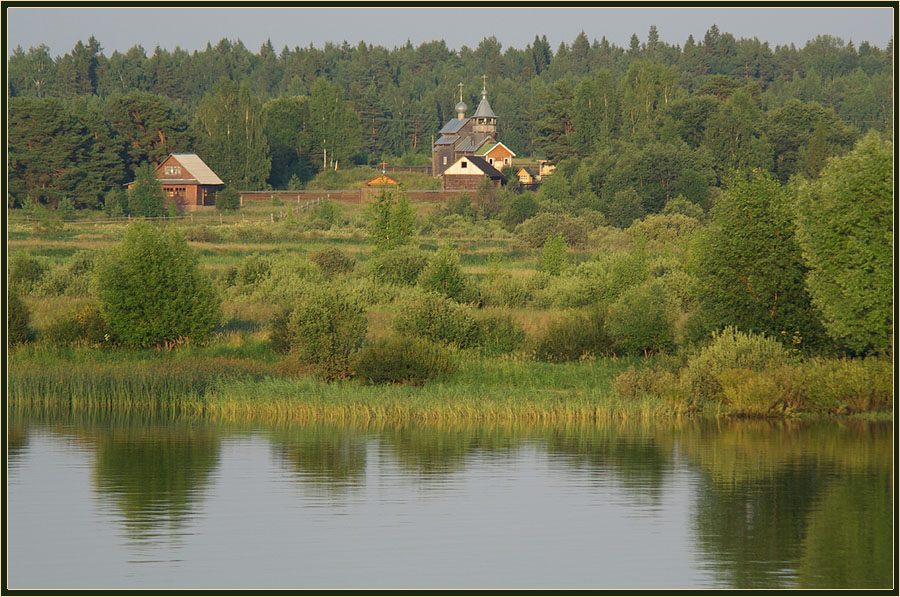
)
(187, 180)
(468, 173)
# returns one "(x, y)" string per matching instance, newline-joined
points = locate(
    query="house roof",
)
(382, 180)
(471, 143)
(446, 140)
(482, 165)
(488, 148)
(526, 170)
(453, 126)
(197, 168)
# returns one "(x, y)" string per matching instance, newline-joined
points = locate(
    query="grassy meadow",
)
(533, 355)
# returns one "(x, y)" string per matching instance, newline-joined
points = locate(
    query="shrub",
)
(748, 392)
(332, 261)
(638, 382)
(66, 208)
(443, 274)
(662, 232)
(201, 233)
(279, 333)
(326, 329)
(500, 289)
(683, 206)
(535, 231)
(729, 349)
(253, 269)
(25, 272)
(401, 265)
(151, 290)
(290, 278)
(440, 319)
(640, 321)
(325, 214)
(499, 334)
(554, 256)
(228, 199)
(115, 203)
(18, 318)
(84, 327)
(70, 279)
(392, 221)
(574, 337)
(849, 385)
(403, 359)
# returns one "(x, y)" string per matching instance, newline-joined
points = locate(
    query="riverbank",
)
(251, 386)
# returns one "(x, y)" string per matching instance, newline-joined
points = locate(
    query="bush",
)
(849, 385)
(499, 334)
(403, 359)
(401, 265)
(326, 329)
(501, 289)
(25, 272)
(71, 279)
(291, 277)
(640, 321)
(66, 208)
(146, 196)
(535, 231)
(443, 274)
(18, 318)
(332, 261)
(639, 382)
(662, 232)
(84, 327)
(439, 319)
(253, 269)
(554, 256)
(729, 349)
(572, 338)
(201, 233)
(279, 333)
(151, 290)
(228, 199)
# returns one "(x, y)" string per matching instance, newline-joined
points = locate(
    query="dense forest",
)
(630, 128)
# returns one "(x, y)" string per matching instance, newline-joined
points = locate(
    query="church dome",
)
(461, 107)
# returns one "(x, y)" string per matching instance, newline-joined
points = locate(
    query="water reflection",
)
(774, 505)
(324, 456)
(155, 477)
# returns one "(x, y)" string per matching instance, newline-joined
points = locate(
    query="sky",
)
(191, 27)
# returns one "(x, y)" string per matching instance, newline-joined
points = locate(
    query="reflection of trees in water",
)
(774, 496)
(326, 456)
(16, 442)
(155, 476)
(434, 451)
(632, 454)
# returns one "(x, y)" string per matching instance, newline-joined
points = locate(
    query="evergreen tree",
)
(146, 197)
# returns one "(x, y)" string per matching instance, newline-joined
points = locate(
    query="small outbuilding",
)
(525, 176)
(377, 185)
(468, 173)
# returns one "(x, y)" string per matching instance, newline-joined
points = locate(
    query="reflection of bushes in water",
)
(766, 484)
(848, 535)
(155, 476)
(327, 455)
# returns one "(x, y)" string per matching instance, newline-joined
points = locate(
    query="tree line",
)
(631, 127)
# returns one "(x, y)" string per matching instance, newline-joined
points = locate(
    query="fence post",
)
(220, 219)
(192, 217)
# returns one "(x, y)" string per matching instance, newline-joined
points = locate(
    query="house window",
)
(506, 161)
(173, 170)
(463, 164)
(491, 161)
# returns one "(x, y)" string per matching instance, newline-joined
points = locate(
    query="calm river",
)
(99, 501)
